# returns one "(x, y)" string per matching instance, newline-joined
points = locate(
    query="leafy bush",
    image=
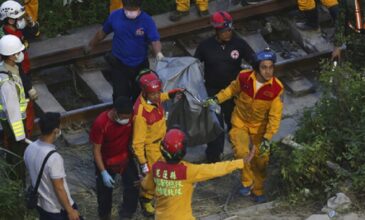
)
(333, 130)
(54, 18)
(11, 193)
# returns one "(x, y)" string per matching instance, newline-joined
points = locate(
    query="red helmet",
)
(222, 20)
(149, 82)
(173, 145)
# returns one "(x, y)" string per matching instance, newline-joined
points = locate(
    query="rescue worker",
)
(13, 102)
(173, 179)
(31, 9)
(133, 31)
(310, 12)
(349, 34)
(183, 9)
(16, 22)
(255, 119)
(222, 56)
(149, 127)
(111, 135)
(114, 5)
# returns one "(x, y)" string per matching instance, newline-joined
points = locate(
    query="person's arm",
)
(203, 172)
(156, 47)
(248, 54)
(99, 36)
(97, 157)
(139, 137)
(341, 31)
(274, 117)
(61, 194)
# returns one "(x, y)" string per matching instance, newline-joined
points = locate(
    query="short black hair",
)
(123, 105)
(132, 3)
(49, 121)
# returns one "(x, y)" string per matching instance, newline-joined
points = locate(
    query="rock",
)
(76, 138)
(340, 202)
(300, 86)
(318, 217)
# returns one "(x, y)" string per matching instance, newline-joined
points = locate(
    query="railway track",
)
(60, 64)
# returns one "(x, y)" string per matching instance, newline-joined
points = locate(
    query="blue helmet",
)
(266, 54)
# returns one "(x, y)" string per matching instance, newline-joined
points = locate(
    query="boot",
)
(311, 21)
(177, 15)
(147, 207)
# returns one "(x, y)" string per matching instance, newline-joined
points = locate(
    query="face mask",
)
(122, 121)
(59, 134)
(20, 24)
(19, 57)
(131, 14)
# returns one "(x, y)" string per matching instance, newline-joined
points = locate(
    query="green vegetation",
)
(12, 205)
(333, 130)
(54, 18)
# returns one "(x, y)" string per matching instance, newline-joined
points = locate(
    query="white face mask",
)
(19, 57)
(59, 134)
(131, 14)
(122, 121)
(20, 24)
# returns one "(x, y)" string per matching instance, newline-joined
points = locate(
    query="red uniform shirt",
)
(113, 137)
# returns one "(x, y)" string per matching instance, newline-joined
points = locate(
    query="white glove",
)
(159, 56)
(33, 94)
(144, 168)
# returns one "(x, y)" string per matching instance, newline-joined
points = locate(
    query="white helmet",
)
(10, 44)
(11, 9)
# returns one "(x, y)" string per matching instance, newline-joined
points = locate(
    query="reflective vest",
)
(15, 97)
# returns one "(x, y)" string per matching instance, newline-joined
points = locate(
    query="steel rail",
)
(90, 112)
(68, 48)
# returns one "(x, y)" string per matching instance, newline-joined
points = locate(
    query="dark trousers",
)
(124, 77)
(44, 215)
(17, 147)
(215, 147)
(130, 192)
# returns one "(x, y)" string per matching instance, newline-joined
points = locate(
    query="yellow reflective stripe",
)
(18, 128)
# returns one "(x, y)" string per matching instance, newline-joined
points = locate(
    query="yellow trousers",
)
(305, 5)
(114, 5)
(253, 174)
(184, 5)
(153, 153)
(31, 8)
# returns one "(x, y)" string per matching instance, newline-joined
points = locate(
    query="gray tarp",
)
(200, 124)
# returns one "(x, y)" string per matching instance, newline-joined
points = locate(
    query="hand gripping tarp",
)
(200, 123)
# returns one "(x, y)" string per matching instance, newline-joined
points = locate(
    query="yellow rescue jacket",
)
(174, 185)
(149, 127)
(259, 110)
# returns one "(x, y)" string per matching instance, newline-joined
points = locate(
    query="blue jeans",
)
(44, 215)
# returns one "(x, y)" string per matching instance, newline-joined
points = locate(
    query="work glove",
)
(172, 93)
(265, 146)
(159, 56)
(107, 179)
(210, 101)
(144, 169)
(33, 94)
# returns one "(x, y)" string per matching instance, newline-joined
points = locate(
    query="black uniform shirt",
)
(222, 62)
